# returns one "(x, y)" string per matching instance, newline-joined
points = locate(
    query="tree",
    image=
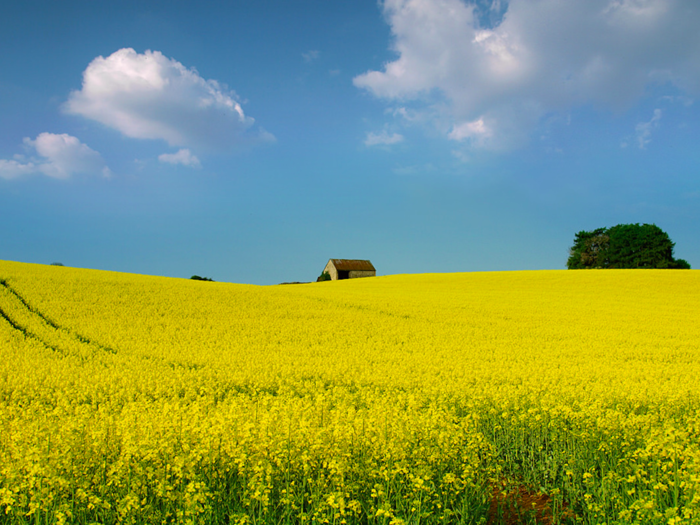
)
(624, 246)
(682, 264)
(198, 278)
(588, 249)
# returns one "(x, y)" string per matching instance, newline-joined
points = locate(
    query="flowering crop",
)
(390, 400)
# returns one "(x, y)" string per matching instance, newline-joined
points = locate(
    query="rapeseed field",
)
(392, 400)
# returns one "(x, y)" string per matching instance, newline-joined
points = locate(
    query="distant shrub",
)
(325, 276)
(198, 278)
(56, 264)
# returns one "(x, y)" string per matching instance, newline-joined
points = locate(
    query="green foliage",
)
(198, 278)
(682, 264)
(624, 246)
(325, 276)
(588, 249)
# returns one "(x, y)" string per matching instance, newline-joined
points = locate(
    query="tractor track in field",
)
(25, 305)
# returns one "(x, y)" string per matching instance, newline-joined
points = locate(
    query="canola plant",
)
(390, 400)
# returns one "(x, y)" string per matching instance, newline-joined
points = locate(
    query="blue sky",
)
(251, 141)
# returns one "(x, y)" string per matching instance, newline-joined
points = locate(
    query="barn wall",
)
(360, 273)
(330, 268)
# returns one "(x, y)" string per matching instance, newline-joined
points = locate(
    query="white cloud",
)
(470, 130)
(686, 101)
(11, 169)
(58, 156)
(643, 129)
(541, 57)
(150, 96)
(383, 138)
(310, 56)
(184, 157)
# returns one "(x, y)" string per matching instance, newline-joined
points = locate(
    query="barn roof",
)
(353, 264)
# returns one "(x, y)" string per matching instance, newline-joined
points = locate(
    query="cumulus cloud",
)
(12, 169)
(57, 156)
(184, 157)
(491, 84)
(382, 138)
(150, 96)
(643, 129)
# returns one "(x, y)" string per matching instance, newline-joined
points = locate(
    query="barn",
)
(349, 269)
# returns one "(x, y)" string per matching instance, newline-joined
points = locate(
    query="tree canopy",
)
(198, 278)
(624, 246)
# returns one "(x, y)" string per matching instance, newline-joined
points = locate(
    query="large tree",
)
(624, 246)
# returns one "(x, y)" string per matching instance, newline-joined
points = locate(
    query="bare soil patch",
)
(523, 506)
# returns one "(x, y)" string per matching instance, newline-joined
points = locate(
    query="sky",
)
(250, 141)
